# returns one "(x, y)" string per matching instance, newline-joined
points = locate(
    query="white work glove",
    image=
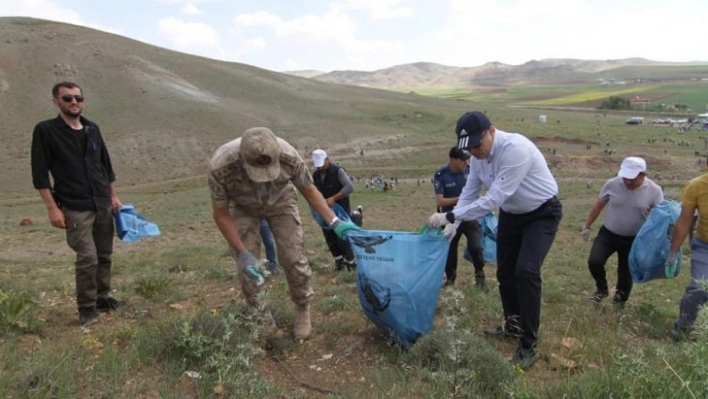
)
(251, 266)
(449, 231)
(437, 220)
(585, 232)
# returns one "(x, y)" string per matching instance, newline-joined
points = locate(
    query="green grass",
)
(625, 354)
(692, 94)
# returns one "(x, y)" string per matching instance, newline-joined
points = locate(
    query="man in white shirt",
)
(629, 197)
(519, 184)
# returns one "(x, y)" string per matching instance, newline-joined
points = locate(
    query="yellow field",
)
(593, 95)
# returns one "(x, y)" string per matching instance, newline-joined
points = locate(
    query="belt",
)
(548, 202)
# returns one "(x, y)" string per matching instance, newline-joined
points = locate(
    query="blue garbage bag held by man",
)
(399, 276)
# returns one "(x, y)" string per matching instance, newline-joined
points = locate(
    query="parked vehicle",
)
(635, 120)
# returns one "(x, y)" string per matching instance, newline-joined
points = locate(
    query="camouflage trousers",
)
(90, 235)
(286, 226)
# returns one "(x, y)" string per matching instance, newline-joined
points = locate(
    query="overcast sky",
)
(373, 34)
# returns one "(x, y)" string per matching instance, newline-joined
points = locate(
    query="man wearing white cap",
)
(629, 197)
(254, 177)
(334, 184)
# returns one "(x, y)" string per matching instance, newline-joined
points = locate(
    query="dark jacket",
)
(331, 184)
(78, 162)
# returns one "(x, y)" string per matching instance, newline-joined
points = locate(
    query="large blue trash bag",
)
(651, 246)
(488, 226)
(131, 226)
(338, 211)
(399, 275)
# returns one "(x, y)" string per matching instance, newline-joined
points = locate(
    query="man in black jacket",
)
(334, 184)
(83, 197)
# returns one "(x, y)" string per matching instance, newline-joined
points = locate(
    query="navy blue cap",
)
(470, 129)
(459, 153)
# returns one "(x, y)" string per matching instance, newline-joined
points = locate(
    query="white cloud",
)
(518, 31)
(188, 35)
(332, 35)
(255, 43)
(45, 9)
(333, 27)
(190, 9)
(292, 65)
(258, 18)
(381, 9)
(177, 2)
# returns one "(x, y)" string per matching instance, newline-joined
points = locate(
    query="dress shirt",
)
(516, 175)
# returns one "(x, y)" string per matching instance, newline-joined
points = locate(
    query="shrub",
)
(152, 287)
(17, 311)
(221, 346)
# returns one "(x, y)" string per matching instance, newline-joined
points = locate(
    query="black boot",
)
(479, 279)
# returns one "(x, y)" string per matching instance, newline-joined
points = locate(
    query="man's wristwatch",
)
(335, 220)
(450, 217)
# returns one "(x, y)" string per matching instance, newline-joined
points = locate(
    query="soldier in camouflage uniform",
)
(253, 177)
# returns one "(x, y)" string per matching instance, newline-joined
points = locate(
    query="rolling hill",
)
(542, 72)
(164, 112)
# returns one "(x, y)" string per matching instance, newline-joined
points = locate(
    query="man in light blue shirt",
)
(522, 187)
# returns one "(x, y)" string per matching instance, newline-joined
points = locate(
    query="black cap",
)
(459, 153)
(470, 129)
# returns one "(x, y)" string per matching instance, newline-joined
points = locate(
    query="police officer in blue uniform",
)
(448, 182)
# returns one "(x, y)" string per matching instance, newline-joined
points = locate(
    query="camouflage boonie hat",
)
(261, 152)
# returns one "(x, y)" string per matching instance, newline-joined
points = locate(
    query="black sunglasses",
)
(68, 97)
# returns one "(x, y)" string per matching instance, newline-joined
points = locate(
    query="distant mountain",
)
(305, 73)
(535, 72)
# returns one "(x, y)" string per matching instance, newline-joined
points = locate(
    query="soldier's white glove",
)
(449, 231)
(437, 220)
(250, 266)
(585, 232)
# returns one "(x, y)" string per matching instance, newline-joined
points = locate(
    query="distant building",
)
(639, 102)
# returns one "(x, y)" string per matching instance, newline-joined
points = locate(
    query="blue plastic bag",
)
(399, 275)
(651, 246)
(338, 211)
(131, 226)
(488, 226)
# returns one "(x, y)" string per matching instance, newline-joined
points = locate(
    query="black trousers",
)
(606, 243)
(338, 247)
(470, 229)
(523, 240)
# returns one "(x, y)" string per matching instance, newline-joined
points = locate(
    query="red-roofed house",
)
(639, 102)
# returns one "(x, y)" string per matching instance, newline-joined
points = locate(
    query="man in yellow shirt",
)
(693, 197)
